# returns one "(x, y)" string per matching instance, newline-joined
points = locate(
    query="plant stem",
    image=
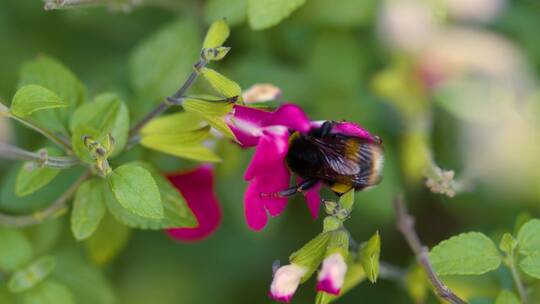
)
(517, 279)
(66, 4)
(50, 212)
(50, 135)
(164, 105)
(8, 151)
(405, 224)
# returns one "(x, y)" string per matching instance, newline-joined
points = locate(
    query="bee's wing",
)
(340, 155)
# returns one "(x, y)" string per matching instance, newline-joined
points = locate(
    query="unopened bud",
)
(215, 54)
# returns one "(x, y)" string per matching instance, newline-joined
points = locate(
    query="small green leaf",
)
(222, 84)
(176, 211)
(529, 237)
(369, 257)
(53, 75)
(173, 123)
(508, 244)
(107, 241)
(417, 284)
(31, 275)
(530, 264)
(465, 254)
(178, 47)
(263, 14)
(107, 114)
(507, 297)
(88, 209)
(234, 11)
(49, 292)
(311, 254)
(16, 249)
(217, 34)
(212, 112)
(31, 180)
(32, 98)
(355, 275)
(136, 190)
(185, 144)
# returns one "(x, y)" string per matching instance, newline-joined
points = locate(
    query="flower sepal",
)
(334, 266)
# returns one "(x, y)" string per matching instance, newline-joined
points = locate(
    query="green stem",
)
(164, 105)
(517, 279)
(50, 212)
(8, 151)
(50, 135)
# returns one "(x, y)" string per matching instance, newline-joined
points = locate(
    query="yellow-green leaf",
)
(49, 292)
(88, 209)
(212, 112)
(31, 275)
(263, 14)
(217, 34)
(16, 249)
(369, 257)
(222, 84)
(32, 98)
(529, 237)
(107, 241)
(507, 297)
(31, 180)
(173, 124)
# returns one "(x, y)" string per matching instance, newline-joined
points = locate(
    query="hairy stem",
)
(8, 151)
(517, 280)
(164, 105)
(405, 224)
(47, 133)
(50, 212)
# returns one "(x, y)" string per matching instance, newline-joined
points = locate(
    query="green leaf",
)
(106, 114)
(16, 249)
(173, 124)
(222, 84)
(369, 257)
(342, 14)
(529, 237)
(31, 275)
(182, 144)
(234, 11)
(355, 275)
(212, 112)
(465, 254)
(29, 181)
(32, 98)
(45, 235)
(508, 244)
(88, 209)
(263, 14)
(530, 264)
(107, 241)
(160, 75)
(53, 75)
(311, 254)
(507, 297)
(417, 284)
(217, 34)
(136, 190)
(49, 292)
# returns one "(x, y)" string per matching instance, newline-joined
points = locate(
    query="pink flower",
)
(267, 172)
(286, 281)
(197, 187)
(332, 274)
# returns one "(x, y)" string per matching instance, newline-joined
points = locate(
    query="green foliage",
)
(106, 114)
(29, 179)
(135, 189)
(216, 35)
(16, 249)
(530, 264)
(107, 241)
(529, 237)
(175, 210)
(466, 254)
(88, 209)
(369, 257)
(33, 98)
(263, 14)
(162, 61)
(31, 275)
(234, 11)
(225, 86)
(311, 254)
(212, 112)
(506, 297)
(53, 75)
(508, 244)
(49, 292)
(416, 283)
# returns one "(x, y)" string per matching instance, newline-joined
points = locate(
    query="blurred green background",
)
(449, 81)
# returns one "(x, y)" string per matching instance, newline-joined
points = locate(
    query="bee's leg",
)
(326, 128)
(303, 186)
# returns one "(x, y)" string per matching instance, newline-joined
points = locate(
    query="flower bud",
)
(332, 274)
(261, 92)
(286, 281)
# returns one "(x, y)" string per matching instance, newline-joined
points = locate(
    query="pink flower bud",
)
(286, 281)
(332, 274)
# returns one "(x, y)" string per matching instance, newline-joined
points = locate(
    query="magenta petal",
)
(313, 198)
(351, 129)
(289, 115)
(270, 153)
(278, 179)
(197, 188)
(245, 123)
(254, 207)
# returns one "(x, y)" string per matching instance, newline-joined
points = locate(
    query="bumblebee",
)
(342, 162)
